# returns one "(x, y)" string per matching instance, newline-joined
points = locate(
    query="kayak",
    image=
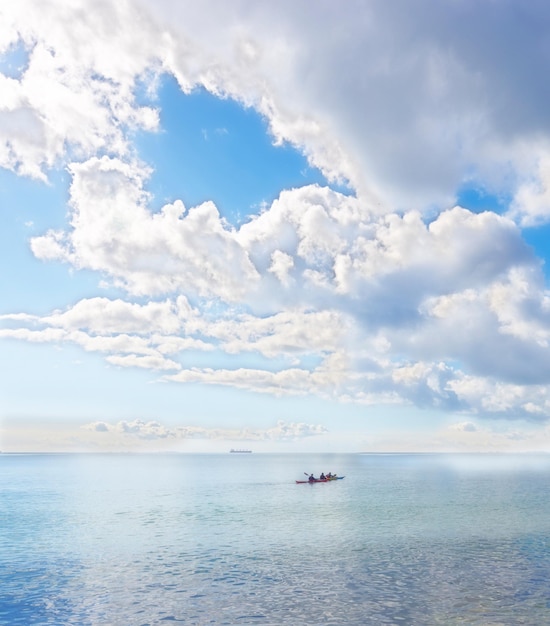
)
(320, 480)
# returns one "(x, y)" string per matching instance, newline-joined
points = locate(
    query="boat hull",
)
(317, 480)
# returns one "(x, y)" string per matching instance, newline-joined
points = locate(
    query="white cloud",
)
(284, 333)
(531, 203)
(146, 362)
(148, 254)
(286, 382)
(522, 306)
(76, 92)
(104, 316)
(464, 427)
(281, 265)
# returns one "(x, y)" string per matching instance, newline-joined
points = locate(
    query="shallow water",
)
(231, 539)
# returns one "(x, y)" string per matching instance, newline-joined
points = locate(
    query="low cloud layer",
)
(152, 430)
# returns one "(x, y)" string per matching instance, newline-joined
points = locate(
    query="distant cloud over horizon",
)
(155, 430)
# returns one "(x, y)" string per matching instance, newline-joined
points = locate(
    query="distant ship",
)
(233, 450)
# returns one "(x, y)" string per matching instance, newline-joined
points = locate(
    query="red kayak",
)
(319, 480)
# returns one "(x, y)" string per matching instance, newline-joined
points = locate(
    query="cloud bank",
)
(152, 430)
(394, 294)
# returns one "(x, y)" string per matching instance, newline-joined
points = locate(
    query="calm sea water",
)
(231, 539)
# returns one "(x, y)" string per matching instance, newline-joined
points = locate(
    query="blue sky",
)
(301, 228)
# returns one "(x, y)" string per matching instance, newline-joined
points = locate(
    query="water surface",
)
(232, 539)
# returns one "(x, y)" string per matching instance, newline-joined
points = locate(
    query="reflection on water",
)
(224, 539)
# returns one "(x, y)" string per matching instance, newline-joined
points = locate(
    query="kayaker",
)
(311, 478)
(322, 476)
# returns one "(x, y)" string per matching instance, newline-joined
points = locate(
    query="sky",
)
(289, 227)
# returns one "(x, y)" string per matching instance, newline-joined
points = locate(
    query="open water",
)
(233, 540)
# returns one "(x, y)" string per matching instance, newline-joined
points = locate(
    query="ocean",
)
(231, 539)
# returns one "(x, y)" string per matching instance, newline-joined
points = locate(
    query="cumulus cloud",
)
(71, 95)
(104, 316)
(464, 427)
(311, 244)
(148, 254)
(531, 203)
